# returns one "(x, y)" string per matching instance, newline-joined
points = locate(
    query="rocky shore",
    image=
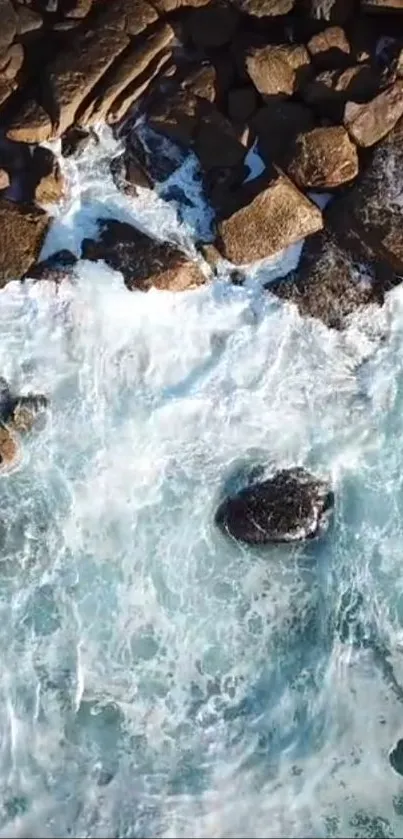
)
(315, 86)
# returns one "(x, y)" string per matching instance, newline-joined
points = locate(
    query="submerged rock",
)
(291, 506)
(18, 413)
(396, 757)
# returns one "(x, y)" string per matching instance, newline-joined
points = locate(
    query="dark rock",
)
(370, 122)
(213, 25)
(324, 158)
(31, 124)
(277, 127)
(377, 6)
(330, 49)
(291, 506)
(55, 268)
(143, 262)
(242, 103)
(396, 757)
(76, 140)
(329, 91)
(177, 117)
(220, 184)
(22, 231)
(8, 27)
(263, 217)
(216, 143)
(128, 174)
(333, 11)
(202, 82)
(278, 69)
(47, 179)
(27, 20)
(10, 450)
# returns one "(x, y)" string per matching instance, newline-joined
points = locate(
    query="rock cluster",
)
(313, 85)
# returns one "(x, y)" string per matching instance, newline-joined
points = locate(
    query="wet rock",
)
(220, 184)
(75, 140)
(48, 184)
(213, 25)
(278, 69)
(330, 90)
(128, 174)
(324, 158)
(4, 179)
(216, 143)
(242, 103)
(277, 127)
(334, 11)
(9, 449)
(337, 276)
(55, 268)
(22, 231)
(396, 757)
(8, 28)
(263, 8)
(368, 123)
(31, 124)
(330, 49)
(263, 217)
(143, 262)
(29, 411)
(291, 506)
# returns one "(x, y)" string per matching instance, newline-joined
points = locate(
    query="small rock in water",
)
(396, 757)
(291, 506)
(9, 448)
(28, 410)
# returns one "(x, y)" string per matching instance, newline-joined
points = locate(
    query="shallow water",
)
(157, 679)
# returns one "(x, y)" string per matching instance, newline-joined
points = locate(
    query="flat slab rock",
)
(143, 262)
(22, 231)
(263, 217)
(291, 506)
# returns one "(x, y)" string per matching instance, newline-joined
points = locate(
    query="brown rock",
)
(74, 72)
(263, 8)
(144, 262)
(48, 180)
(164, 6)
(332, 281)
(131, 16)
(31, 124)
(330, 49)
(75, 140)
(14, 61)
(131, 94)
(368, 123)
(177, 117)
(79, 9)
(22, 231)
(279, 69)
(6, 89)
(216, 143)
(213, 25)
(324, 158)
(128, 174)
(329, 92)
(266, 216)
(125, 71)
(4, 179)
(382, 6)
(202, 82)
(278, 125)
(27, 20)
(8, 27)
(10, 451)
(334, 11)
(242, 103)
(56, 268)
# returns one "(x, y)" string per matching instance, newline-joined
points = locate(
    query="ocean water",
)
(157, 679)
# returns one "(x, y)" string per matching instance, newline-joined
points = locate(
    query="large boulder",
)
(278, 70)
(324, 158)
(368, 123)
(263, 217)
(291, 506)
(8, 28)
(143, 262)
(22, 231)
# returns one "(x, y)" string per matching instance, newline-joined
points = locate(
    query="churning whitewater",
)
(158, 679)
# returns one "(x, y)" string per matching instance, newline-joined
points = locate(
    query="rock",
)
(4, 179)
(278, 70)
(377, 6)
(125, 71)
(27, 20)
(202, 82)
(396, 757)
(178, 116)
(337, 276)
(132, 93)
(75, 71)
(14, 61)
(143, 262)
(221, 183)
(48, 182)
(8, 28)
(216, 143)
(291, 506)
(368, 123)
(75, 140)
(330, 49)
(213, 25)
(165, 6)
(22, 231)
(324, 158)
(10, 451)
(128, 174)
(333, 11)
(277, 127)
(31, 124)
(55, 268)
(264, 217)
(263, 8)
(242, 103)
(28, 412)
(329, 91)
(6, 89)
(79, 9)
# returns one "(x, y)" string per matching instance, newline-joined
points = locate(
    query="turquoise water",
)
(156, 679)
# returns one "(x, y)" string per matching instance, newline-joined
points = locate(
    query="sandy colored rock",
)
(74, 72)
(4, 179)
(27, 20)
(329, 49)
(15, 60)
(48, 179)
(271, 214)
(165, 6)
(278, 70)
(324, 158)
(31, 124)
(370, 122)
(143, 262)
(125, 70)
(263, 8)
(22, 231)
(10, 450)
(79, 9)
(132, 93)
(8, 24)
